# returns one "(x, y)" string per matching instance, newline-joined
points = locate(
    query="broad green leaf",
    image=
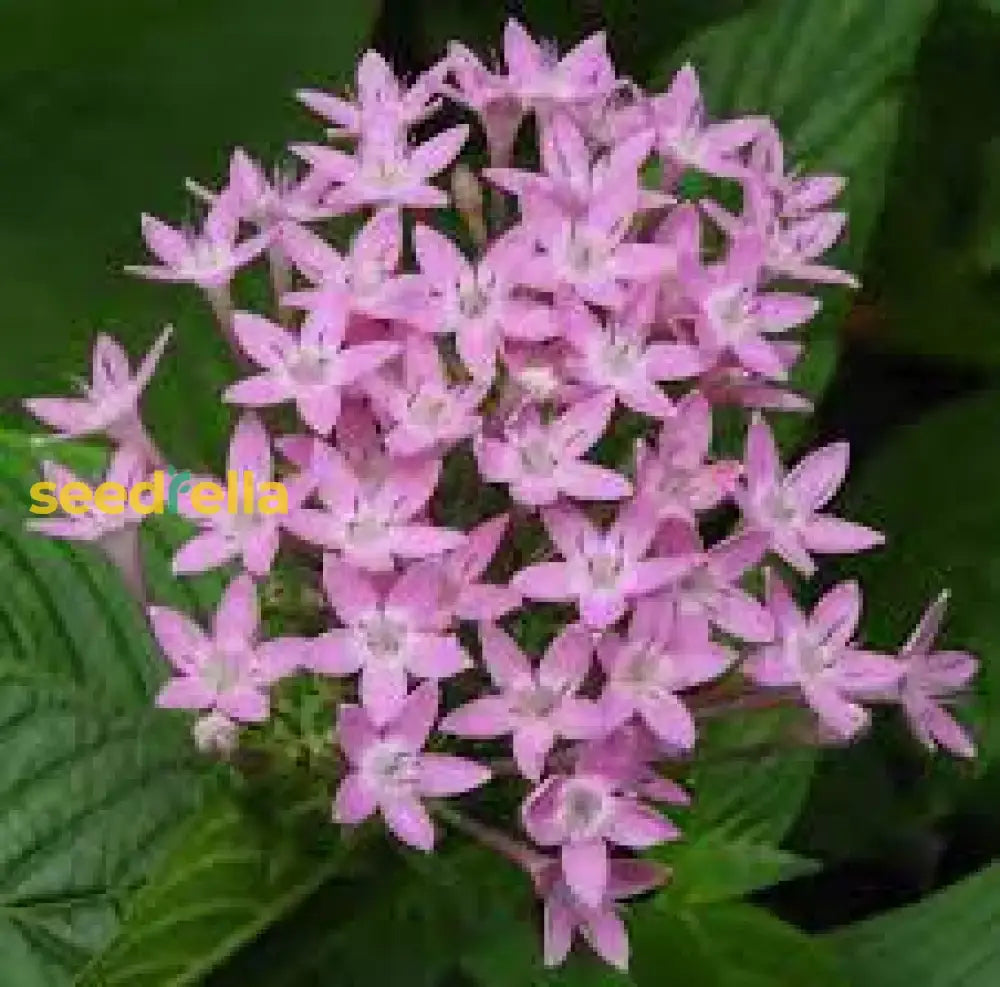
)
(709, 868)
(107, 106)
(749, 779)
(230, 875)
(93, 777)
(831, 76)
(947, 940)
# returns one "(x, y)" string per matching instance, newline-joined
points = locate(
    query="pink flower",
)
(227, 671)
(425, 413)
(572, 180)
(617, 356)
(687, 140)
(110, 402)
(540, 462)
(542, 80)
(786, 506)
(250, 537)
(603, 571)
(711, 588)
(817, 655)
(461, 593)
(736, 321)
(581, 814)
(390, 774)
(389, 633)
(385, 170)
(209, 258)
(127, 468)
(475, 302)
(601, 927)
(663, 654)
(536, 706)
(310, 369)
(590, 254)
(929, 677)
(372, 522)
(675, 474)
(365, 281)
(379, 96)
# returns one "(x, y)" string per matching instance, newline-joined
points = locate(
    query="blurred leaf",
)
(934, 269)
(725, 945)
(831, 76)
(709, 868)
(745, 787)
(106, 106)
(947, 940)
(230, 876)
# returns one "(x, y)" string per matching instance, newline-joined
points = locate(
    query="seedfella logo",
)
(163, 491)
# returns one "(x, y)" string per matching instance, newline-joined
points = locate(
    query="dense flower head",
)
(502, 411)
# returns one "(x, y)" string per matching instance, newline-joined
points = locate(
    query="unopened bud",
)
(216, 734)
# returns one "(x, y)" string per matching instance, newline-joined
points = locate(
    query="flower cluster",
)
(588, 296)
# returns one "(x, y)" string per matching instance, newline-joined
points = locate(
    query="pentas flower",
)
(816, 654)
(786, 506)
(929, 679)
(711, 588)
(737, 321)
(209, 257)
(389, 773)
(385, 170)
(541, 461)
(390, 633)
(475, 302)
(127, 468)
(364, 281)
(535, 706)
(674, 473)
(251, 537)
(227, 671)
(272, 203)
(379, 96)
(425, 413)
(685, 138)
(572, 179)
(458, 573)
(664, 653)
(616, 355)
(372, 521)
(590, 254)
(788, 249)
(110, 401)
(793, 196)
(543, 81)
(600, 927)
(603, 572)
(310, 369)
(582, 814)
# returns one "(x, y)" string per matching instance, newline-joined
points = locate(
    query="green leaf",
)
(726, 945)
(230, 875)
(932, 491)
(830, 75)
(947, 940)
(710, 868)
(107, 107)
(745, 785)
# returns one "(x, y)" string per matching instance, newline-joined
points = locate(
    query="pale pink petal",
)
(236, 618)
(186, 692)
(558, 923)
(258, 391)
(319, 408)
(383, 690)
(355, 732)
(333, 653)
(354, 801)
(409, 821)
(506, 663)
(349, 591)
(265, 342)
(547, 581)
(435, 155)
(640, 827)
(204, 551)
(259, 548)
(605, 932)
(844, 718)
(761, 458)
(587, 481)
(829, 534)
(440, 775)
(531, 744)
(670, 720)
(181, 639)
(567, 659)
(836, 615)
(585, 866)
(817, 477)
(580, 426)
(437, 256)
(437, 657)
(416, 716)
(244, 703)
(480, 718)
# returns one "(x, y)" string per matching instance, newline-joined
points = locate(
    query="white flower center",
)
(309, 366)
(585, 808)
(383, 637)
(390, 767)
